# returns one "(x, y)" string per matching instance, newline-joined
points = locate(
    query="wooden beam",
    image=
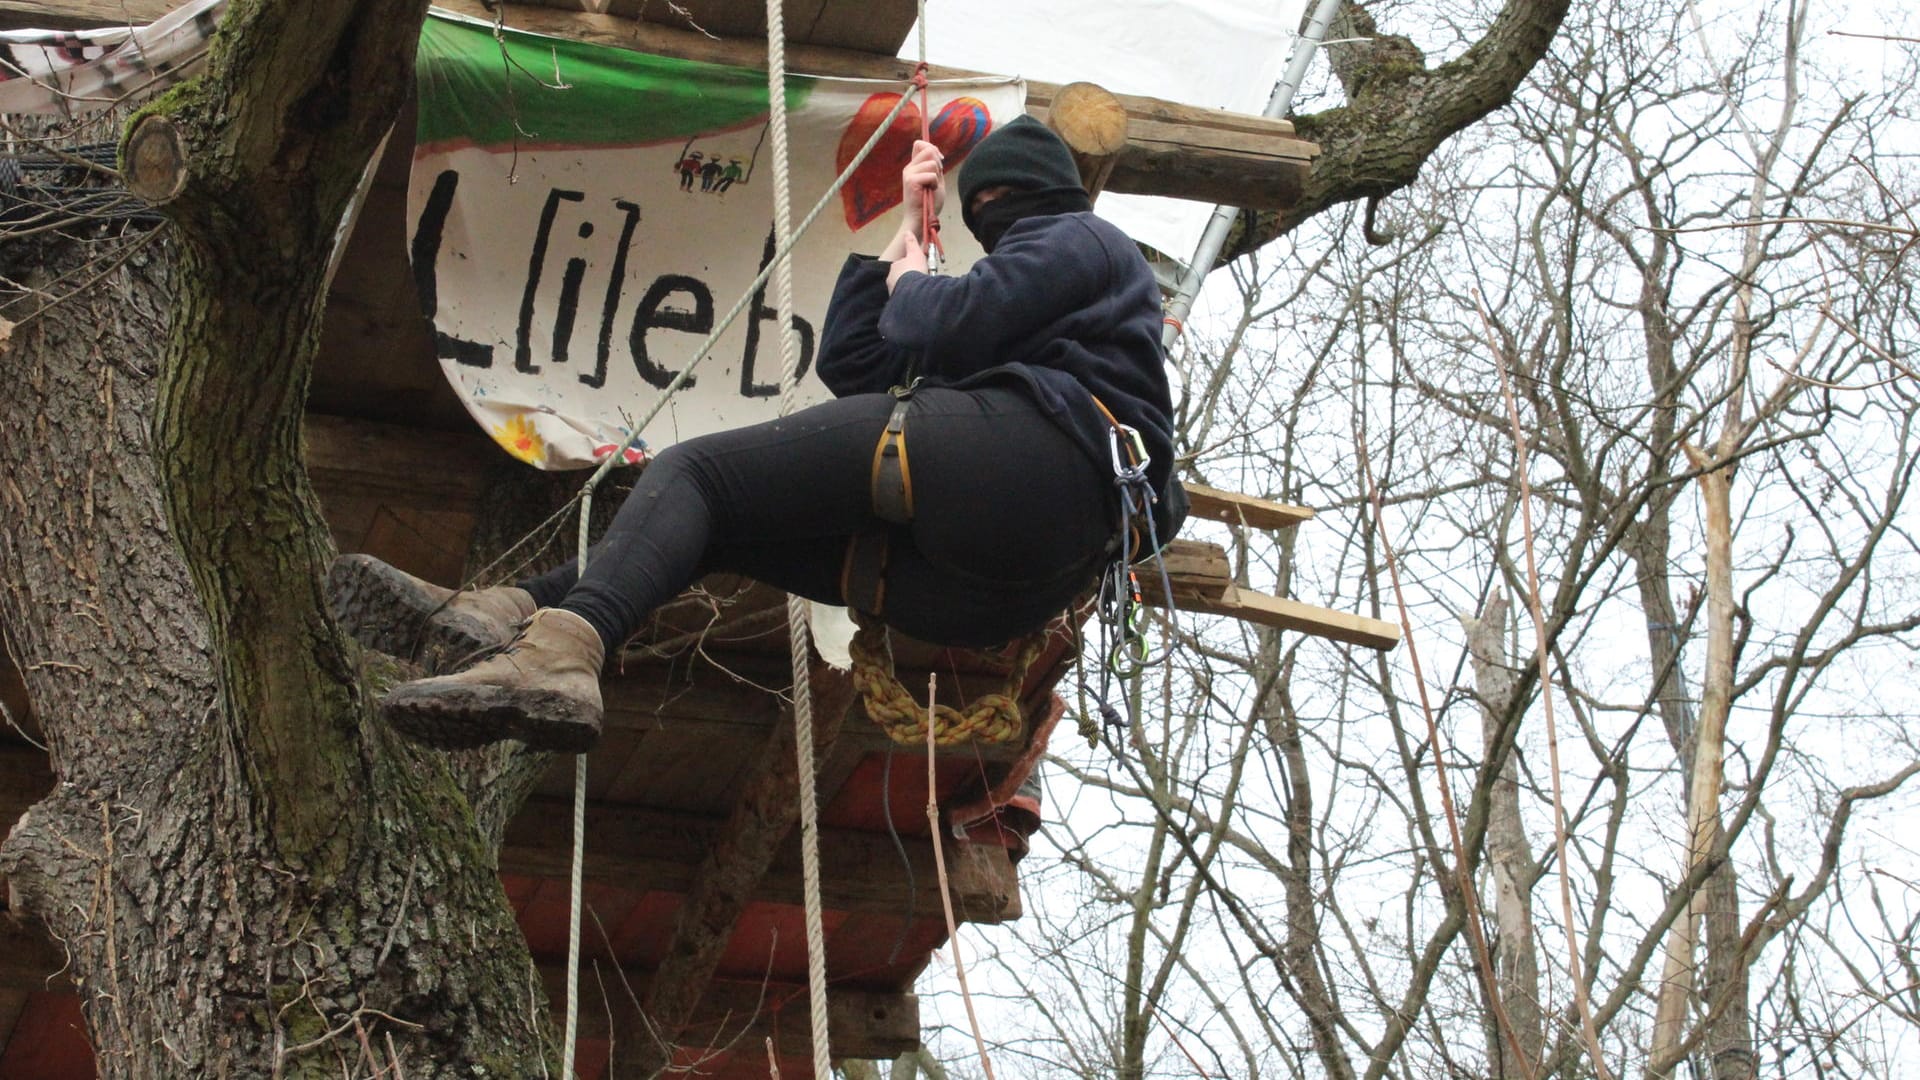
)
(1204, 155)
(1202, 581)
(79, 14)
(1093, 124)
(662, 849)
(737, 858)
(1236, 509)
(1176, 150)
(872, 26)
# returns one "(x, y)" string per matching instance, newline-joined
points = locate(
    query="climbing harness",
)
(892, 483)
(863, 570)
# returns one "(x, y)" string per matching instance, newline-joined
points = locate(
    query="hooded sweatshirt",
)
(1065, 307)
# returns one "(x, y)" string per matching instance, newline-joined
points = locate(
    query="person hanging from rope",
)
(961, 486)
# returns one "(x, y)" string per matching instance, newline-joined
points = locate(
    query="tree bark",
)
(1300, 952)
(254, 877)
(1398, 111)
(1516, 956)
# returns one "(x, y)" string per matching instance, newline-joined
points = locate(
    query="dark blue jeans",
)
(1011, 517)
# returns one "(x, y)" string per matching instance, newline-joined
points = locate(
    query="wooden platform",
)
(684, 732)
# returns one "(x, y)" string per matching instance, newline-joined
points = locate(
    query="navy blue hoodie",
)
(1065, 306)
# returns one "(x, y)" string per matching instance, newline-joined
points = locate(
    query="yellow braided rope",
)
(991, 718)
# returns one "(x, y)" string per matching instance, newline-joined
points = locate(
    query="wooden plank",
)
(1202, 581)
(1194, 569)
(13, 696)
(737, 858)
(872, 26)
(376, 358)
(29, 960)
(646, 848)
(860, 1023)
(1264, 610)
(1236, 509)
(79, 14)
(417, 468)
(1176, 150)
(12, 1004)
(646, 699)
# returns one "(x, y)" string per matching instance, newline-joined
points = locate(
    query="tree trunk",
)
(1648, 544)
(1300, 952)
(1516, 958)
(253, 876)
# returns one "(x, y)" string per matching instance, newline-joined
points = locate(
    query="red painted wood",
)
(49, 1042)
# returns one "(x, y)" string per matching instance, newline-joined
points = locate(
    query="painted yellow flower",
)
(519, 438)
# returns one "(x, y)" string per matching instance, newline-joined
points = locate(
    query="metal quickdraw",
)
(1124, 650)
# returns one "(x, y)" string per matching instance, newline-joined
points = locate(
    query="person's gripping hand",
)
(924, 177)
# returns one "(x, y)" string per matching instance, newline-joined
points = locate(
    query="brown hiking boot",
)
(542, 688)
(401, 615)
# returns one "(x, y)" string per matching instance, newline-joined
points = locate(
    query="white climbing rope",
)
(785, 237)
(799, 644)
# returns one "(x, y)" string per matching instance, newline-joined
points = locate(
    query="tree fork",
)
(1399, 111)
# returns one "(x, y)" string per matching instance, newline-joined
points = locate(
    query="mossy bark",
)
(1398, 110)
(253, 876)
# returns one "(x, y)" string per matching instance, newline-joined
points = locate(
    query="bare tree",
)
(1692, 252)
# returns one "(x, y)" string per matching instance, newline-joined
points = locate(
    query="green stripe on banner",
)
(501, 93)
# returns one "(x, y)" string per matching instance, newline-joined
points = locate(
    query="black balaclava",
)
(1028, 157)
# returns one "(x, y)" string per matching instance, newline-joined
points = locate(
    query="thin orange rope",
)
(1469, 895)
(1589, 1033)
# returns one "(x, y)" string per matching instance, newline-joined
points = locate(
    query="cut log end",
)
(156, 160)
(1093, 124)
(1089, 118)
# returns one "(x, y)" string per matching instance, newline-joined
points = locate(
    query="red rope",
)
(929, 220)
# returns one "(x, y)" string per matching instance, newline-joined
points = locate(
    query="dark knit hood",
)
(1027, 156)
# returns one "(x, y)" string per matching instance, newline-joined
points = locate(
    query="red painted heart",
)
(874, 188)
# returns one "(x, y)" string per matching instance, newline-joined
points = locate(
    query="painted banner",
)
(583, 217)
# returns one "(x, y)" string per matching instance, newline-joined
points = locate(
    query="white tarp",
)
(1224, 54)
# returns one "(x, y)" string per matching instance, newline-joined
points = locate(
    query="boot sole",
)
(387, 612)
(464, 717)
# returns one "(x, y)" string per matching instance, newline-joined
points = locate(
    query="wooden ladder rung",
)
(1237, 509)
(1202, 581)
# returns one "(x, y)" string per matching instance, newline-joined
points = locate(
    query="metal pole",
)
(1211, 241)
